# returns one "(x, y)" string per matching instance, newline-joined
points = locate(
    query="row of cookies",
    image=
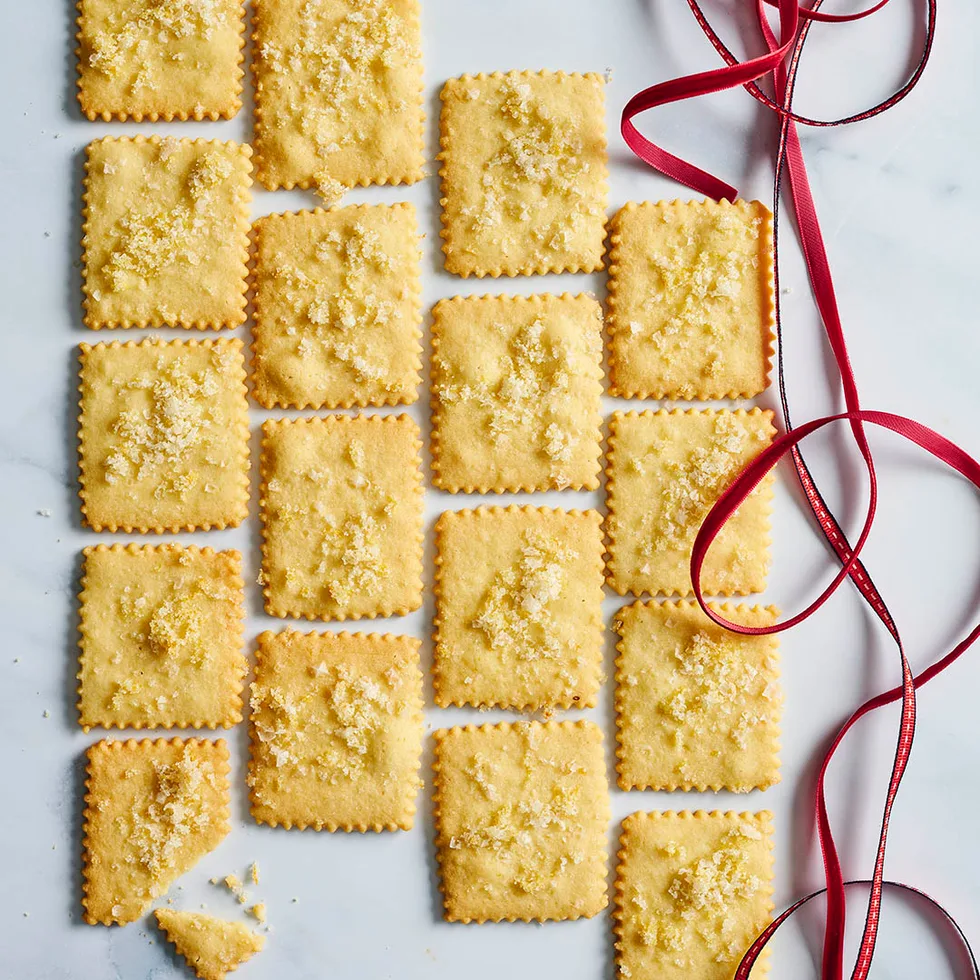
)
(518, 625)
(166, 243)
(521, 813)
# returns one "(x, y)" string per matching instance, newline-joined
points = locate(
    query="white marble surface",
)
(899, 200)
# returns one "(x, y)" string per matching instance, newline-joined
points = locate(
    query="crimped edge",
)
(726, 609)
(761, 969)
(286, 612)
(538, 300)
(243, 197)
(441, 735)
(228, 111)
(409, 808)
(764, 490)
(531, 268)
(191, 966)
(769, 339)
(233, 705)
(85, 350)
(591, 683)
(222, 765)
(270, 183)
(259, 327)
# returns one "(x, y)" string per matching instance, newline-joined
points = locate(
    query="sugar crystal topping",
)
(351, 64)
(517, 615)
(176, 420)
(691, 485)
(135, 34)
(541, 148)
(532, 399)
(152, 237)
(550, 806)
(338, 319)
(720, 691)
(704, 894)
(696, 280)
(335, 731)
(164, 819)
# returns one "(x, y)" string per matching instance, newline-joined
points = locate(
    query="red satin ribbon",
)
(782, 62)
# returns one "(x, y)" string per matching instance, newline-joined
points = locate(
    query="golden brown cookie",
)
(521, 812)
(697, 706)
(666, 470)
(693, 890)
(152, 811)
(516, 388)
(163, 435)
(165, 228)
(336, 731)
(161, 637)
(341, 506)
(523, 173)
(518, 608)
(337, 307)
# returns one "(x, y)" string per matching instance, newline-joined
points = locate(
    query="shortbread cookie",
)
(516, 387)
(666, 470)
(341, 506)
(163, 435)
(336, 731)
(150, 59)
(338, 93)
(337, 307)
(518, 608)
(152, 811)
(212, 947)
(697, 706)
(523, 173)
(161, 637)
(521, 812)
(690, 300)
(165, 232)
(693, 890)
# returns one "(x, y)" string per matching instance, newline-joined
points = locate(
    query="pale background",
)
(899, 201)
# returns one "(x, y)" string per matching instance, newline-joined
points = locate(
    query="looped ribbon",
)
(782, 62)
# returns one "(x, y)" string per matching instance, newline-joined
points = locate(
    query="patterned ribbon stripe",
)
(782, 63)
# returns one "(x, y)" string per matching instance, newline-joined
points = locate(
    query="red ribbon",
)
(782, 62)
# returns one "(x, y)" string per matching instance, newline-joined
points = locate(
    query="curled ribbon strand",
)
(782, 63)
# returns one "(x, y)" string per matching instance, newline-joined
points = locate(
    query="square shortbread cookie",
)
(666, 470)
(165, 232)
(336, 731)
(516, 388)
(521, 812)
(690, 300)
(693, 890)
(152, 811)
(212, 947)
(523, 173)
(337, 307)
(341, 506)
(161, 637)
(518, 608)
(163, 435)
(697, 706)
(147, 59)
(338, 93)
